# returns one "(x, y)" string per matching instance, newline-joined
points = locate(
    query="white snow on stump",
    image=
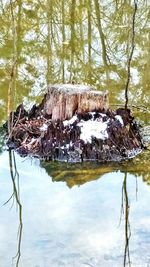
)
(44, 127)
(134, 152)
(71, 121)
(91, 129)
(119, 118)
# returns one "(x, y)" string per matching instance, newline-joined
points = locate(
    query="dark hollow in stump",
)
(74, 123)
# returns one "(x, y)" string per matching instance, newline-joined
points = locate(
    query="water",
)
(59, 214)
(73, 224)
(55, 214)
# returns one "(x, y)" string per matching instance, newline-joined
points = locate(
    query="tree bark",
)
(63, 101)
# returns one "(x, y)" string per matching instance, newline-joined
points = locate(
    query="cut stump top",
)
(74, 89)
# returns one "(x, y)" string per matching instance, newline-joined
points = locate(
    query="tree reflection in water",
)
(125, 209)
(16, 197)
(127, 223)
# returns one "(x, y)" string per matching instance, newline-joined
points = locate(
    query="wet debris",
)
(93, 136)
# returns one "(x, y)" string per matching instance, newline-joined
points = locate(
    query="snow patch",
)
(134, 152)
(71, 121)
(119, 118)
(93, 128)
(43, 127)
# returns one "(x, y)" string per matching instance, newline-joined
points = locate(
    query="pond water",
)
(67, 219)
(91, 214)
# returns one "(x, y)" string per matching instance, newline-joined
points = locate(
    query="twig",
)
(9, 199)
(131, 106)
(14, 125)
(28, 130)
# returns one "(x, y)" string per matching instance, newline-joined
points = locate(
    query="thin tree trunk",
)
(49, 41)
(89, 41)
(72, 14)
(102, 37)
(12, 82)
(63, 41)
(18, 30)
(16, 196)
(145, 78)
(81, 29)
(127, 224)
(130, 56)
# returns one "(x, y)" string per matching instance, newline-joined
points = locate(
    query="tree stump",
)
(63, 101)
(73, 123)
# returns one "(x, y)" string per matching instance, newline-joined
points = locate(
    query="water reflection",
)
(15, 197)
(78, 174)
(82, 174)
(75, 226)
(45, 42)
(75, 174)
(125, 208)
(85, 41)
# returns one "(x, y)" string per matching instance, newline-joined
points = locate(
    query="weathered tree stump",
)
(63, 101)
(74, 124)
